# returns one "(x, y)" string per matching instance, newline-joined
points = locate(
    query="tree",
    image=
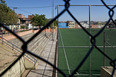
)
(39, 20)
(2, 2)
(55, 23)
(7, 15)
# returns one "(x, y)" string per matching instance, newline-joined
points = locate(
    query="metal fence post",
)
(57, 40)
(104, 43)
(89, 40)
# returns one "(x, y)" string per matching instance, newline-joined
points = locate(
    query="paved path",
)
(10, 36)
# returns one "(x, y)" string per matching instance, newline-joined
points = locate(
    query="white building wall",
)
(71, 24)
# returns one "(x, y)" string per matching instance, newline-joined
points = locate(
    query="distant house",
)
(71, 24)
(84, 24)
(23, 21)
(76, 25)
(67, 24)
(30, 16)
(94, 26)
(21, 16)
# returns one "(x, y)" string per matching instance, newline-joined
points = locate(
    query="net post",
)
(53, 22)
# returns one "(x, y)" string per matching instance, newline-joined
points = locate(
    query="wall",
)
(62, 25)
(71, 24)
(107, 71)
(17, 70)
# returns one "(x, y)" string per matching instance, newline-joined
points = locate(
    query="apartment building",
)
(71, 24)
(23, 21)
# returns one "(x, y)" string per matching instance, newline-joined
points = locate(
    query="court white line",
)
(65, 53)
(83, 46)
(76, 73)
(81, 74)
(86, 74)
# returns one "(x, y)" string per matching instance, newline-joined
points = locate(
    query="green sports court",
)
(73, 44)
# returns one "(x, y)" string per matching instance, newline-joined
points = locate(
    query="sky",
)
(29, 7)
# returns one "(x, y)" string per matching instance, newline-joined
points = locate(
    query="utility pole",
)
(53, 12)
(53, 22)
(89, 40)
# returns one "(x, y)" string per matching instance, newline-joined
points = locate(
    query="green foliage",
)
(24, 27)
(2, 2)
(39, 20)
(55, 23)
(7, 15)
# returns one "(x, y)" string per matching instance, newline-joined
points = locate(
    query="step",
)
(44, 70)
(41, 46)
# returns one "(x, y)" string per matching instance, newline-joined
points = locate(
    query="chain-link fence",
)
(93, 40)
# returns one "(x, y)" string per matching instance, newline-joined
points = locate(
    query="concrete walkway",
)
(43, 69)
(10, 36)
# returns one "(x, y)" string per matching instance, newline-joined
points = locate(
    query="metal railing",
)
(17, 50)
(93, 40)
(9, 44)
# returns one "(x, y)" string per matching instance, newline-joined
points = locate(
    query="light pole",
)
(53, 22)
(89, 40)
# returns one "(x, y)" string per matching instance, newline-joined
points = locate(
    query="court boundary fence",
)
(93, 40)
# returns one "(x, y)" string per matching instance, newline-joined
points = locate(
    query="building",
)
(21, 16)
(62, 25)
(94, 26)
(76, 25)
(71, 24)
(30, 17)
(85, 24)
(23, 21)
(67, 24)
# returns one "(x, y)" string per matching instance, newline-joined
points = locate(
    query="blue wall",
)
(62, 25)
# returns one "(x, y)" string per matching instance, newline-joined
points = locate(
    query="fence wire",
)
(93, 40)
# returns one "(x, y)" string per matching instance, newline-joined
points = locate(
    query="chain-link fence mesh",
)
(107, 54)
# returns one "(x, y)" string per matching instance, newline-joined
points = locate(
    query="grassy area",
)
(77, 37)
